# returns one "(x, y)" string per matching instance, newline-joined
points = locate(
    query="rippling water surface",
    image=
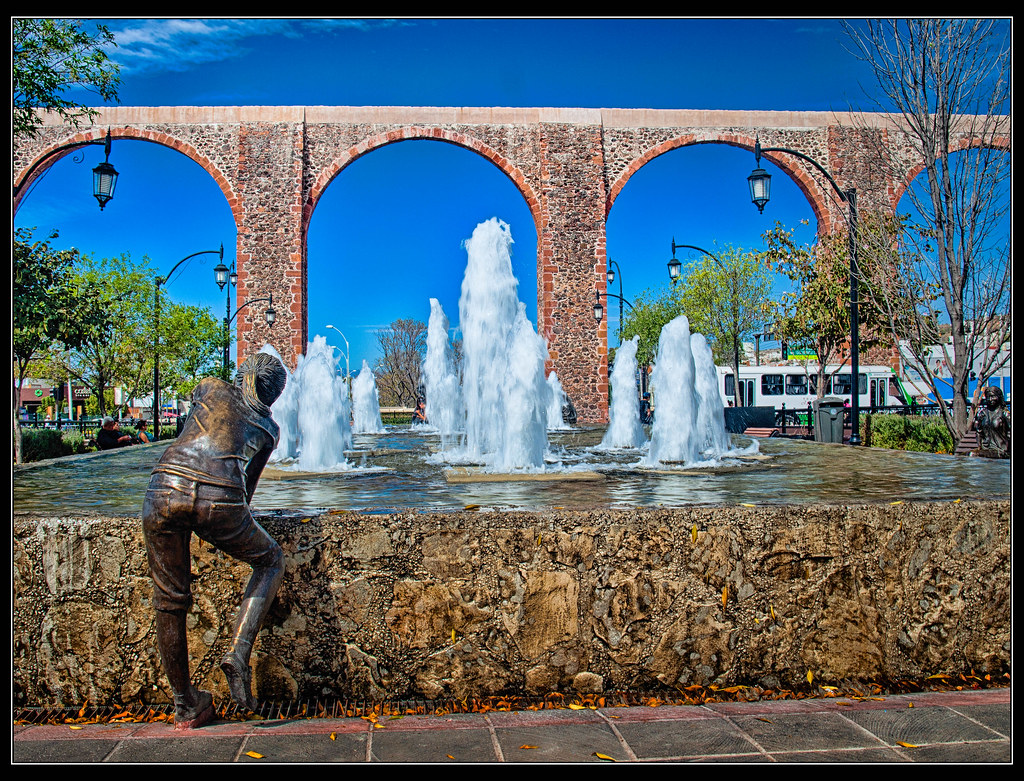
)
(390, 472)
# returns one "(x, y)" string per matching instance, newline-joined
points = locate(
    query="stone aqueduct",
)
(274, 163)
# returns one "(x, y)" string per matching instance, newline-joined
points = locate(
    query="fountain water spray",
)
(558, 398)
(324, 430)
(504, 390)
(366, 403)
(286, 413)
(689, 423)
(313, 412)
(624, 426)
(441, 379)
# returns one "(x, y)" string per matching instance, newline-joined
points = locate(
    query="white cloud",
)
(153, 45)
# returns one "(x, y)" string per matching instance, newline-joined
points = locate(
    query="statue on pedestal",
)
(993, 425)
(203, 484)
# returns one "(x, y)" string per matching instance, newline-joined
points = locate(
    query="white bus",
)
(795, 387)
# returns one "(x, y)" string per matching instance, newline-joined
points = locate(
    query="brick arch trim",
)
(164, 139)
(789, 164)
(412, 132)
(963, 144)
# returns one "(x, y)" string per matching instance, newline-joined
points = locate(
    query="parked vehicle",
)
(796, 387)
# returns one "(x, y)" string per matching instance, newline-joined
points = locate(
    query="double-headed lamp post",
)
(760, 187)
(223, 275)
(269, 314)
(613, 272)
(156, 332)
(674, 267)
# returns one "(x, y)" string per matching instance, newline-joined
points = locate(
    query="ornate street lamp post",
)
(156, 332)
(223, 275)
(612, 274)
(269, 314)
(760, 187)
(104, 175)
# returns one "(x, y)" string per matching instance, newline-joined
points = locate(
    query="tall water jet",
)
(503, 384)
(441, 378)
(710, 412)
(286, 412)
(323, 415)
(624, 426)
(686, 425)
(556, 422)
(366, 403)
(525, 395)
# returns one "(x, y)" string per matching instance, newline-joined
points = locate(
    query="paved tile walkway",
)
(930, 727)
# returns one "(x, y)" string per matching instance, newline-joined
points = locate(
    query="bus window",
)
(796, 384)
(730, 386)
(814, 384)
(841, 384)
(771, 384)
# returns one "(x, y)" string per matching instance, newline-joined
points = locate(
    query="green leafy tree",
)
(51, 307)
(51, 57)
(937, 81)
(652, 310)
(120, 353)
(817, 312)
(725, 299)
(191, 347)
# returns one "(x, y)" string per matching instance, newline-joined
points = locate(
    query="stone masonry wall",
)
(460, 604)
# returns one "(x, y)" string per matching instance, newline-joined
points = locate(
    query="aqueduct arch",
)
(274, 162)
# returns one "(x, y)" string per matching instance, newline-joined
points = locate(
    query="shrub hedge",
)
(905, 432)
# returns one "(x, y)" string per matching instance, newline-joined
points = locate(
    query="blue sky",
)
(387, 235)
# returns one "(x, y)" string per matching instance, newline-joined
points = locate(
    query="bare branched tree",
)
(944, 84)
(402, 346)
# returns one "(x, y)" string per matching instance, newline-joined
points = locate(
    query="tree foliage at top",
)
(725, 299)
(50, 306)
(817, 312)
(940, 82)
(51, 57)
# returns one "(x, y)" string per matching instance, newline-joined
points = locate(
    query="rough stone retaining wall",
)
(460, 604)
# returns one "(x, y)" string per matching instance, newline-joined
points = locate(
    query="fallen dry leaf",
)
(254, 754)
(906, 745)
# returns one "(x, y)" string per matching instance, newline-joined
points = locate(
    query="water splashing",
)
(555, 404)
(624, 427)
(689, 422)
(323, 410)
(445, 411)
(504, 390)
(366, 403)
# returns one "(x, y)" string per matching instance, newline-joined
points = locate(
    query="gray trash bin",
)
(829, 415)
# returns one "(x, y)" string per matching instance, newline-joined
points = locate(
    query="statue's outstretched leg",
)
(192, 707)
(259, 593)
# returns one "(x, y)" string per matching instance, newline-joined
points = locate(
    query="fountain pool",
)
(388, 472)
